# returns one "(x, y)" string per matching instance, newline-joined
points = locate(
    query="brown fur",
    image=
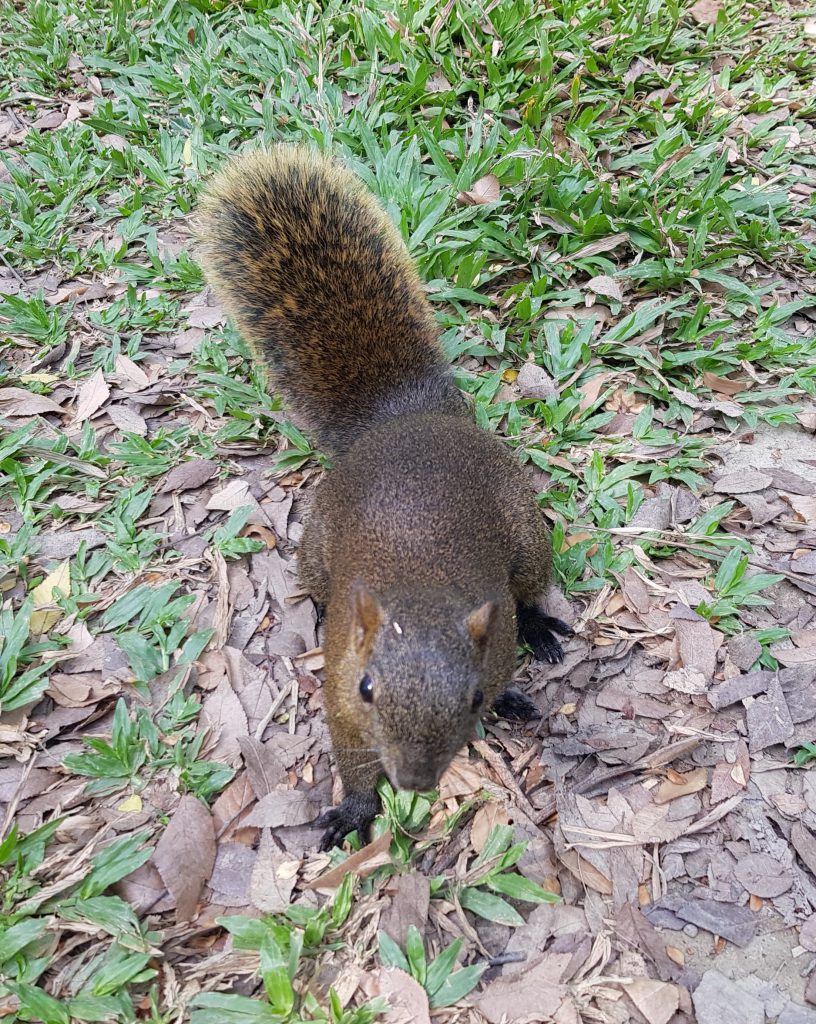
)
(425, 535)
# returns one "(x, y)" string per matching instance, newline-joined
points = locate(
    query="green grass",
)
(629, 142)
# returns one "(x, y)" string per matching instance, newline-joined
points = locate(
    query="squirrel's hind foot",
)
(355, 813)
(538, 630)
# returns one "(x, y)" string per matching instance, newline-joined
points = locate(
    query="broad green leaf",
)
(490, 907)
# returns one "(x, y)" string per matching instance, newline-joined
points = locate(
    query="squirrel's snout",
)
(418, 777)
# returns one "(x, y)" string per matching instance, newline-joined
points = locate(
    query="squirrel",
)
(425, 545)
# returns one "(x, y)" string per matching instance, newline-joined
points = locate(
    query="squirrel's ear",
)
(366, 617)
(481, 623)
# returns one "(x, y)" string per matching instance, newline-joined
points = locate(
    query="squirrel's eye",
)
(478, 700)
(367, 689)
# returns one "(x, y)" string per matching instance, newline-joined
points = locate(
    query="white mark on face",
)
(397, 628)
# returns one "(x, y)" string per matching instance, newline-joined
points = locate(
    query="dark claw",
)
(538, 630)
(354, 814)
(556, 626)
(515, 705)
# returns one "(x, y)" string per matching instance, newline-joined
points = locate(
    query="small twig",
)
(20, 279)
(507, 958)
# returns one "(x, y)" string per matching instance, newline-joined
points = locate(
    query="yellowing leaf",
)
(45, 615)
(38, 378)
(131, 804)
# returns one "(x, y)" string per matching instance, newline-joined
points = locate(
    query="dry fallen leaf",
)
(743, 482)
(724, 385)
(658, 1001)
(185, 854)
(803, 506)
(361, 863)
(705, 12)
(189, 475)
(485, 190)
(607, 286)
(282, 807)
(488, 815)
(533, 990)
(226, 717)
(592, 389)
(92, 395)
(273, 877)
(47, 122)
(763, 875)
(681, 785)
(686, 680)
(534, 382)
(127, 420)
(407, 999)
(45, 614)
(19, 402)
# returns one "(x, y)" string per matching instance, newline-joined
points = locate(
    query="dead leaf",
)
(658, 1001)
(600, 245)
(361, 863)
(19, 402)
(231, 804)
(274, 877)
(206, 316)
(127, 420)
(92, 395)
(534, 990)
(265, 769)
(282, 807)
(760, 874)
(185, 854)
(46, 614)
(231, 874)
(485, 190)
(131, 373)
(438, 83)
(488, 815)
(590, 391)
(681, 785)
(47, 122)
(743, 482)
(534, 382)
(189, 475)
(725, 385)
(410, 900)
(605, 285)
(227, 720)
(803, 506)
(407, 999)
(686, 680)
(705, 12)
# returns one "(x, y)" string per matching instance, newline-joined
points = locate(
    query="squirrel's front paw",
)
(538, 629)
(516, 705)
(355, 813)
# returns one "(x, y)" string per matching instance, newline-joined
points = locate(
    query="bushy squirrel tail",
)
(321, 285)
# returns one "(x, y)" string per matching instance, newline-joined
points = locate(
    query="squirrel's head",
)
(426, 665)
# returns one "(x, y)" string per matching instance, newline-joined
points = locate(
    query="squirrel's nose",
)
(417, 777)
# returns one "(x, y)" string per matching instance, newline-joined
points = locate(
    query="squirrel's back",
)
(319, 281)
